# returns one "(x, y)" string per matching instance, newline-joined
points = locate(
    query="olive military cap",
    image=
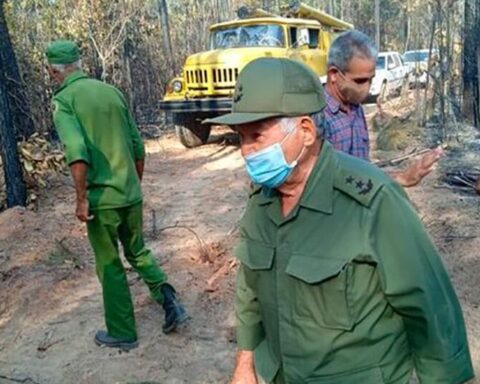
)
(273, 87)
(63, 52)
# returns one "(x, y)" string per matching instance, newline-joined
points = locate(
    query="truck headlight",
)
(177, 86)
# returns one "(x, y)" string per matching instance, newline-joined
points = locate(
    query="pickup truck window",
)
(398, 63)
(390, 62)
(381, 62)
(248, 36)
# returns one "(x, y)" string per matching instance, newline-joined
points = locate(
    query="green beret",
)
(63, 52)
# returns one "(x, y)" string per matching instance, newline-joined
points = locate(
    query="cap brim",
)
(238, 118)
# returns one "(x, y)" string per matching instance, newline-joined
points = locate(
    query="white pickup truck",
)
(417, 63)
(390, 75)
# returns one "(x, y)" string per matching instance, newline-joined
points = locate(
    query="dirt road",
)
(50, 300)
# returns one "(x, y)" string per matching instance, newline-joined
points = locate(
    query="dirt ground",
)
(50, 300)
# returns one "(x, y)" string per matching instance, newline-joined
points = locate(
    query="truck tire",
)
(193, 137)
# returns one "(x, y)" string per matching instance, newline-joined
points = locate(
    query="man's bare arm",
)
(244, 369)
(79, 171)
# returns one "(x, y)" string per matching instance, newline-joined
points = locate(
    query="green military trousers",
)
(104, 230)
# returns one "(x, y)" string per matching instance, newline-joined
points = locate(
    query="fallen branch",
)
(463, 181)
(46, 346)
(400, 159)
(204, 254)
(58, 322)
(15, 380)
(212, 282)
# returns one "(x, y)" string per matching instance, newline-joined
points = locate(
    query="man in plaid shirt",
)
(347, 129)
(351, 69)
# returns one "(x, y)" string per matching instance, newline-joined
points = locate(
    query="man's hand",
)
(140, 165)
(82, 210)
(419, 169)
(244, 369)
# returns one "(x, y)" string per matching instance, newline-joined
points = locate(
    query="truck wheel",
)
(192, 137)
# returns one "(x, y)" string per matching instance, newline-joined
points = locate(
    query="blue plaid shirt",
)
(346, 130)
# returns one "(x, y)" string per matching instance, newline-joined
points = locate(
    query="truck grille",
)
(224, 75)
(197, 76)
(219, 78)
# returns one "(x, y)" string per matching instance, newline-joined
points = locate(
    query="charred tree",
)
(19, 106)
(471, 62)
(377, 24)
(167, 42)
(12, 170)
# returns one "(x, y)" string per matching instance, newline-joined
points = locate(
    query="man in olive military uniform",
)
(105, 154)
(339, 283)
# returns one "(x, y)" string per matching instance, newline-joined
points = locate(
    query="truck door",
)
(306, 47)
(398, 70)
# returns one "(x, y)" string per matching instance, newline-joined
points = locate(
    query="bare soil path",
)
(50, 300)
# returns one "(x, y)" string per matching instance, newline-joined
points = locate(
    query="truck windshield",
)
(415, 56)
(248, 36)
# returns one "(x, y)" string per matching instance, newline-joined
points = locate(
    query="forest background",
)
(140, 45)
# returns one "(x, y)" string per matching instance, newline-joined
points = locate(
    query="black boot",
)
(175, 313)
(102, 338)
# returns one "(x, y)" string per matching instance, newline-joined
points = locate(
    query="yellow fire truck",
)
(208, 78)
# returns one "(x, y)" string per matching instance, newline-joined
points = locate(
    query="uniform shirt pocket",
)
(321, 288)
(254, 254)
(258, 259)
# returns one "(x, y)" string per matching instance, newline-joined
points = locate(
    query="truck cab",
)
(207, 82)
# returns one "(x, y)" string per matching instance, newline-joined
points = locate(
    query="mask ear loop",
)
(287, 135)
(294, 163)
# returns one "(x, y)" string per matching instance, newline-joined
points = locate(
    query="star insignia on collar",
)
(366, 187)
(359, 184)
(349, 180)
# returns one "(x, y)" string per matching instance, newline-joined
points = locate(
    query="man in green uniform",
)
(106, 157)
(339, 283)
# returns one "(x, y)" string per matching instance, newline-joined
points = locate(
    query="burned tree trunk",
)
(167, 42)
(377, 24)
(223, 7)
(471, 62)
(12, 170)
(20, 110)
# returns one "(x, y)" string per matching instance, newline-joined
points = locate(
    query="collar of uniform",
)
(267, 195)
(318, 194)
(74, 76)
